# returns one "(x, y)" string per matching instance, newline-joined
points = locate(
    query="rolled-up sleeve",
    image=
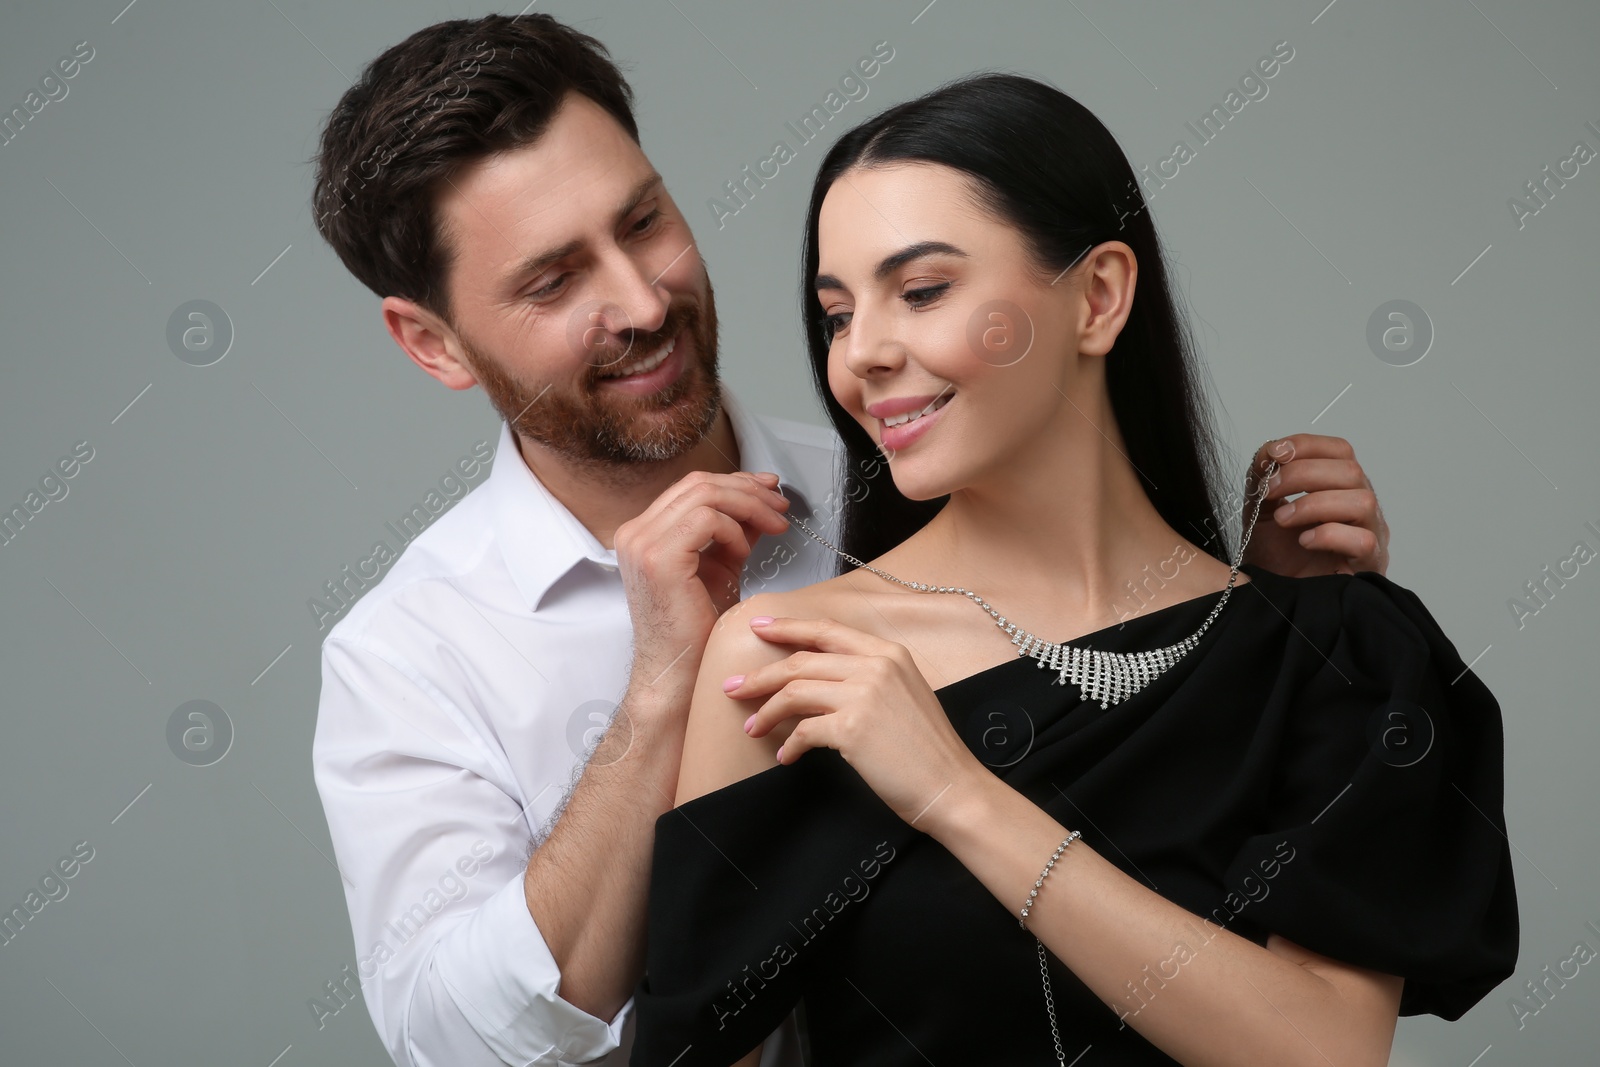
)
(515, 1008)
(431, 843)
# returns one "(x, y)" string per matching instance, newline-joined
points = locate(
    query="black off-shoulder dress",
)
(1322, 766)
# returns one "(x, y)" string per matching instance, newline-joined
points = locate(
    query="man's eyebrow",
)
(892, 262)
(537, 262)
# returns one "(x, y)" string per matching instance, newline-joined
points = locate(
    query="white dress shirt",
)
(459, 695)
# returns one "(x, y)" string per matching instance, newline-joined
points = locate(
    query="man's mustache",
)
(634, 345)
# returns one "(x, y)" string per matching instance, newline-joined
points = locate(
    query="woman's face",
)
(934, 301)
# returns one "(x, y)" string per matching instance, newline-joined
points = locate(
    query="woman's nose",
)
(871, 347)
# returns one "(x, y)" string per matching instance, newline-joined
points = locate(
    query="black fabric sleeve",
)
(750, 885)
(1385, 840)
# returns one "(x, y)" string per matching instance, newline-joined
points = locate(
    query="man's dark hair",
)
(444, 98)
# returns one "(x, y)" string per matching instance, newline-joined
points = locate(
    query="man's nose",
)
(631, 301)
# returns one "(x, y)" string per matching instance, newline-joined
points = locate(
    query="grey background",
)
(1378, 167)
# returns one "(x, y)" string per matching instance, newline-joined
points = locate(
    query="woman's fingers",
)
(809, 681)
(807, 735)
(799, 699)
(771, 677)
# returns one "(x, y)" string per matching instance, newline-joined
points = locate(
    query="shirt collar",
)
(541, 540)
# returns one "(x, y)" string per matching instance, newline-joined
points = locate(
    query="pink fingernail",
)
(780, 753)
(732, 682)
(748, 721)
(760, 620)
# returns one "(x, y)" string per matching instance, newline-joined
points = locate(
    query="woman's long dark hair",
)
(1045, 165)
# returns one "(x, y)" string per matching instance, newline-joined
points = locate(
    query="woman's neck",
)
(1063, 531)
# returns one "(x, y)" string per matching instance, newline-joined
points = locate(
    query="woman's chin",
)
(918, 487)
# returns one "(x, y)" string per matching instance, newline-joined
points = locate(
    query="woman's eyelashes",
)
(921, 298)
(832, 324)
(916, 299)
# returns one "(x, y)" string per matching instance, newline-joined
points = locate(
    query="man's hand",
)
(681, 559)
(1337, 527)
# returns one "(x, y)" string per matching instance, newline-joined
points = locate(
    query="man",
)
(522, 674)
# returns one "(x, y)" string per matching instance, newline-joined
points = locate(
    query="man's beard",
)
(604, 426)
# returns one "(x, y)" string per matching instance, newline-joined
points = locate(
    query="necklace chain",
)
(1109, 677)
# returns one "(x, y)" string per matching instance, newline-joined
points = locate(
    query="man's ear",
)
(428, 340)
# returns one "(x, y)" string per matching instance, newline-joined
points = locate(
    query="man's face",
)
(571, 264)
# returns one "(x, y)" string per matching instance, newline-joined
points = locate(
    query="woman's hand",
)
(862, 695)
(1337, 527)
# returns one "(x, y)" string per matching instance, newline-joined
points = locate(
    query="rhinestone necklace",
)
(1107, 677)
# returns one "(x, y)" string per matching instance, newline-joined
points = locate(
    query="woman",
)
(1290, 820)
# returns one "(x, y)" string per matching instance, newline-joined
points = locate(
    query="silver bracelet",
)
(1034, 892)
(1044, 970)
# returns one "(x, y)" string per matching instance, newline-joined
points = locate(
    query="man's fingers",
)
(1357, 507)
(710, 536)
(1302, 446)
(1317, 475)
(684, 493)
(1355, 543)
(738, 497)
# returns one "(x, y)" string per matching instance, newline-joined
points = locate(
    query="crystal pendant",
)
(1106, 677)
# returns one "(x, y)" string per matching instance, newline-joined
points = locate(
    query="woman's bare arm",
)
(714, 755)
(1230, 1000)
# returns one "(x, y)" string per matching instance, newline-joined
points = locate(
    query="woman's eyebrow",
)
(892, 262)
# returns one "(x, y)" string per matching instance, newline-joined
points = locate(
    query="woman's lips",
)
(896, 438)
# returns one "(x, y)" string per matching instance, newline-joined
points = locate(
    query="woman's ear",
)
(1105, 285)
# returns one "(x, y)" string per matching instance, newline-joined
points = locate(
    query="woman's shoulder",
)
(1359, 653)
(716, 751)
(1323, 632)
(1344, 600)
(1361, 593)
(734, 646)
(1384, 755)
(825, 598)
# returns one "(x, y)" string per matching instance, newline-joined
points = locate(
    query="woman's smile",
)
(898, 431)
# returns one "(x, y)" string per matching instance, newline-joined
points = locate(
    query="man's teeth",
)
(901, 420)
(639, 366)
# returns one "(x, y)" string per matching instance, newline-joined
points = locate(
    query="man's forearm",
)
(587, 886)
